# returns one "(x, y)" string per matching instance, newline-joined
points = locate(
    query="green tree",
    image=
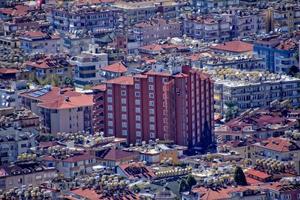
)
(232, 110)
(293, 70)
(68, 81)
(191, 181)
(239, 176)
(183, 186)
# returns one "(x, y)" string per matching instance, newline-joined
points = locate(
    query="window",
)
(137, 102)
(110, 131)
(151, 103)
(151, 111)
(109, 107)
(151, 95)
(138, 133)
(138, 126)
(123, 101)
(151, 79)
(124, 132)
(109, 115)
(109, 99)
(138, 118)
(138, 110)
(124, 109)
(152, 127)
(123, 93)
(151, 87)
(137, 86)
(137, 94)
(124, 116)
(151, 119)
(124, 124)
(110, 123)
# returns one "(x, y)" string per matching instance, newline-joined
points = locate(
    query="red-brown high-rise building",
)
(159, 105)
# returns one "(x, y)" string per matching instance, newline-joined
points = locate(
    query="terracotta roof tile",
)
(258, 174)
(65, 102)
(234, 46)
(122, 80)
(116, 68)
(116, 155)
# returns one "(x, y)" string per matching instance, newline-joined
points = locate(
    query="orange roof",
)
(223, 193)
(152, 47)
(152, 72)
(258, 174)
(234, 46)
(64, 102)
(116, 68)
(87, 193)
(52, 94)
(19, 10)
(8, 71)
(122, 80)
(35, 34)
(277, 144)
(101, 87)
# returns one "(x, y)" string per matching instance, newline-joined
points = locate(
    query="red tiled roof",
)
(8, 71)
(288, 45)
(122, 80)
(116, 68)
(234, 46)
(152, 47)
(101, 87)
(53, 94)
(141, 171)
(35, 34)
(19, 10)
(87, 193)
(276, 144)
(116, 155)
(64, 102)
(223, 193)
(152, 72)
(258, 174)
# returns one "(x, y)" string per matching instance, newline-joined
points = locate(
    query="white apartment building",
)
(88, 67)
(252, 89)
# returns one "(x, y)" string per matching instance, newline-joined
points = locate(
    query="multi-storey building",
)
(14, 142)
(43, 68)
(247, 22)
(25, 173)
(279, 53)
(258, 124)
(147, 32)
(252, 89)
(160, 105)
(99, 109)
(87, 67)
(207, 28)
(34, 42)
(55, 105)
(208, 6)
(83, 18)
(72, 164)
(133, 12)
(77, 109)
(285, 17)
(74, 44)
